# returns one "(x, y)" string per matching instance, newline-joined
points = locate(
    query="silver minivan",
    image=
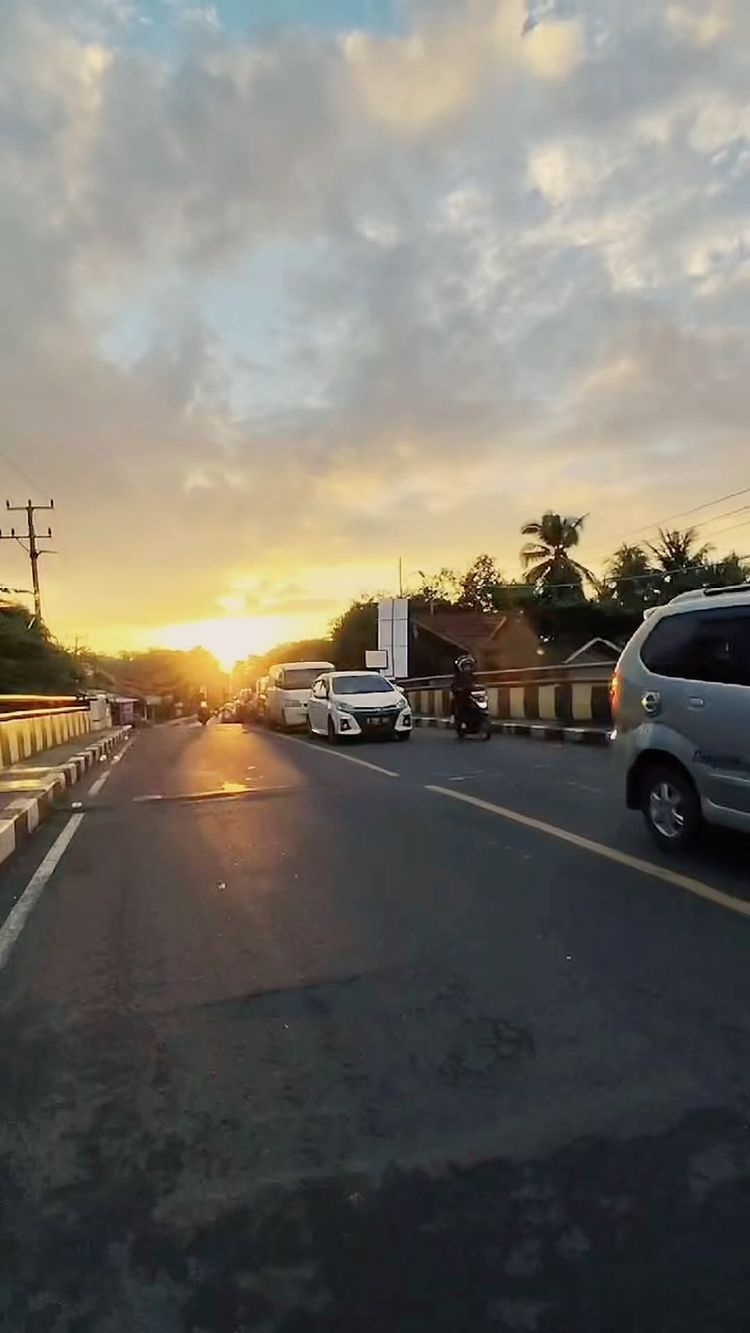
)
(681, 709)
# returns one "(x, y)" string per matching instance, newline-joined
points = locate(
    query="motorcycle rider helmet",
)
(466, 662)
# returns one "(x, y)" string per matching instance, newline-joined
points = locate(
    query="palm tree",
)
(676, 551)
(631, 579)
(728, 571)
(683, 563)
(547, 560)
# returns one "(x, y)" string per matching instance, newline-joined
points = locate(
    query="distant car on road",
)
(345, 704)
(681, 707)
(287, 692)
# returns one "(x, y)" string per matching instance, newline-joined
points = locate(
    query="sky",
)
(294, 288)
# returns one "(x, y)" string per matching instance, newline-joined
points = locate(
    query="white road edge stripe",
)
(121, 753)
(17, 918)
(337, 754)
(96, 787)
(686, 882)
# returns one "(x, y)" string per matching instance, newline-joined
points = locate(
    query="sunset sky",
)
(293, 287)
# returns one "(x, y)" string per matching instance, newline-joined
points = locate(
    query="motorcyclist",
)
(461, 687)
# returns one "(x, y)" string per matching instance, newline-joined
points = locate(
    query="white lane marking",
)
(140, 800)
(337, 754)
(96, 786)
(595, 791)
(686, 882)
(17, 918)
(116, 759)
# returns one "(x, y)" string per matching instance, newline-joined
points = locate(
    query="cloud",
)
(554, 50)
(511, 261)
(700, 26)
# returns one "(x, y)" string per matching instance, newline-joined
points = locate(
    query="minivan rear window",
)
(712, 646)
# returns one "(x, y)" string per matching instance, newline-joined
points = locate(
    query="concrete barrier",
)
(27, 733)
(31, 793)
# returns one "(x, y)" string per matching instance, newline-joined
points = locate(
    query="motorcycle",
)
(475, 720)
(204, 713)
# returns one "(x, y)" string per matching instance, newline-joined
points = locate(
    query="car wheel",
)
(310, 731)
(333, 736)
(670, 807)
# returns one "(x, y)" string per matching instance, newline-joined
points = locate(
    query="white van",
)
(289, 685)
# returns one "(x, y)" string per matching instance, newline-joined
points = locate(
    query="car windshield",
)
(363, 684)
(300, 678)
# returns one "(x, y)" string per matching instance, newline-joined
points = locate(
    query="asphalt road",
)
(346, 1053)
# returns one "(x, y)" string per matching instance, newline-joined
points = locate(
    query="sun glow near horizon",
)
(232, 638)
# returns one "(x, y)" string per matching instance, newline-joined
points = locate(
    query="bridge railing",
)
(21, 705)
(568, 694)
(30, 723)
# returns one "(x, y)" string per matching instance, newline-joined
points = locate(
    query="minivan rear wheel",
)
(670, 807)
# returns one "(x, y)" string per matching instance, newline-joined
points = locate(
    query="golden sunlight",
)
(232, 638)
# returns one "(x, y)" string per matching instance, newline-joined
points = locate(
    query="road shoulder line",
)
(19, 914)
(680, 881)
(338, 754)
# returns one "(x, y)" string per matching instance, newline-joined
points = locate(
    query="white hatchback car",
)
(357, 703)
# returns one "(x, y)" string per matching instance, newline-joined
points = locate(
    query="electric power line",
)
(728, 513)
(732, 528)
(20, 471)
(706, 505)
(683, 513)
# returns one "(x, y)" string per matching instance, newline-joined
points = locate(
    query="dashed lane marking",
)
(686, 882)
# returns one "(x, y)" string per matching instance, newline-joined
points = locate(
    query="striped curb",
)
(538, 731)
(22, 815)
(580, 704)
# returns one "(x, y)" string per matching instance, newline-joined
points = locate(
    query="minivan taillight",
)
(615, 686)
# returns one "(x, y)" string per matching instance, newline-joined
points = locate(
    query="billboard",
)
(393, 635)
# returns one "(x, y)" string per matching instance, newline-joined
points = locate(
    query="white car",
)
(287, 692)
(346, 704)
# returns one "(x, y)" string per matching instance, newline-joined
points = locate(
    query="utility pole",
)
(32, 550)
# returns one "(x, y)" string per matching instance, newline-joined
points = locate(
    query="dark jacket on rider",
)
(461, 687)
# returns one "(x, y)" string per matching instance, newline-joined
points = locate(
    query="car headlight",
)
(344, 708)
(404, 705)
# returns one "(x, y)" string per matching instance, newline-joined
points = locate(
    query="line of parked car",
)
(680, 707)
(339, 705)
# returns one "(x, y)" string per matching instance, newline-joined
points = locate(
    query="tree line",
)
(556, 591)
